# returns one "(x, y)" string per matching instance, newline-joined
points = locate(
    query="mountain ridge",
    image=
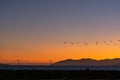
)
(88, 62)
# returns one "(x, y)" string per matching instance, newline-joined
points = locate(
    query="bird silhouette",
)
(65, 42)
(104, 41)
(77, 42)
(86, 43)
(71, 42)
(96, 43)
(111, 41)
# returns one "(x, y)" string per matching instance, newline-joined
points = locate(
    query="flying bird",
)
(104, 41)
(71, 43)
(77, 42)
(65, 42)
(86, 43)
(96, 43)
(111, 41)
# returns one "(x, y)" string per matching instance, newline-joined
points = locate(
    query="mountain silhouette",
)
(1, 64)
(88, 62)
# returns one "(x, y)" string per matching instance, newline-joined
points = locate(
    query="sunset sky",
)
(36, 31)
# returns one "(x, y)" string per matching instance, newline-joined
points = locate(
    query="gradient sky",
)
(35, 30)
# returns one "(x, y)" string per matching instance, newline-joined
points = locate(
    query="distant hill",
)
(88, 62)
(1, 64)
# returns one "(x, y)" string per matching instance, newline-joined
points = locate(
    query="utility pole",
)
(50, 61)
(18, 61)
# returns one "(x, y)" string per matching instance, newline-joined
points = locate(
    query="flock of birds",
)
(96, 42)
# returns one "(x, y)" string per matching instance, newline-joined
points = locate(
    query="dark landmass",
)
(58, 75)
(88, 62)
(86, 74)
(1, 64)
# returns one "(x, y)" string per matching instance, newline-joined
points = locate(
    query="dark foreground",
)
(58, 75)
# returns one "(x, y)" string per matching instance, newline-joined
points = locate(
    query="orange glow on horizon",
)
(60, 52)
